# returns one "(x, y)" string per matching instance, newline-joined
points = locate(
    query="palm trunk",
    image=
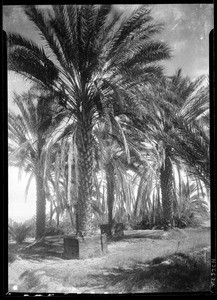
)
(57, 210)
(40, 195)
(58, 218)
(110, 190)
(40, 206)
(69, 210)
(84, 141)
(51, 212)
(166, 179)
(153, 213)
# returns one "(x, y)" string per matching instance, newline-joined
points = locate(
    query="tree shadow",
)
(175, 273)
(40, 255)
(132, 236)
(52, 247)
(48, 249)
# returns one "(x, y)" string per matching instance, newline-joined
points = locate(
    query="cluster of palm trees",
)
(101, 116)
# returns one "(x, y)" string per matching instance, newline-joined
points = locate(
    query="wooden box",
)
(87, 247)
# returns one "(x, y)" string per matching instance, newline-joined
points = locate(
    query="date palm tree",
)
(171, 106)
(182, 92)
(87, 54)
(27, 132)
(114, 145)
(190, 136)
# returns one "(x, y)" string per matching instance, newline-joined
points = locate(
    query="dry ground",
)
(43, 269)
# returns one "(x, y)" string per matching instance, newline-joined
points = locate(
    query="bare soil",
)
(43, 268)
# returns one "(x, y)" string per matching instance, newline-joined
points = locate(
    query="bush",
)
(32, 223)
(51, 231)
(19, 231)
(145, 223)
(66, 226)
(188, 219)
(185, 219)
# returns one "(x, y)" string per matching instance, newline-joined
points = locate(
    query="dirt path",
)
(46, 271)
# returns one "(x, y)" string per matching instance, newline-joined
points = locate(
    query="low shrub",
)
(51, 231)
(145, 223)
(180, 221)
(32, 223)
(19, 231)
(66, 227)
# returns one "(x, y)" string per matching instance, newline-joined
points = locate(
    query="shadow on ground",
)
(48, 249)
(133, 235)
(52, 247)
(175, 273)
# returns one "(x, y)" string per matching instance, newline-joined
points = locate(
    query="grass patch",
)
(11, 257)
(140, 262)
(30, 280)
(178, 272)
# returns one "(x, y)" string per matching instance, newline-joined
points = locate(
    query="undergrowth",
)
(19, 231)
(178, 272)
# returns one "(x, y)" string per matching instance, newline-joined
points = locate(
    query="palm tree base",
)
(85, 247)
(168, 225)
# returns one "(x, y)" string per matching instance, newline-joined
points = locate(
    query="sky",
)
(19, 208)
(186, 30)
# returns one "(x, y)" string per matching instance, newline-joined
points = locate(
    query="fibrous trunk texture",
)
(40, 194)
(166, 178)
(51, 213)
(84, 141)
(110, 190)
(40, 205)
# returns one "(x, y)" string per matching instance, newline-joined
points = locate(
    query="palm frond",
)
(32, 175)
(116, 123)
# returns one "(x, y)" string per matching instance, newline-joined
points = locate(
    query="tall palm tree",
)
(166, 104)
(185, 92)
(27, 132)
(88, 54)
(60, 157)
(113, 148)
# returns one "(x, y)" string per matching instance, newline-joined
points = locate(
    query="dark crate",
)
(87, 247)
(106, 229)
(71, 247)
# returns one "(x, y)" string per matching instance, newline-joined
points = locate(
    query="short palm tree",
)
(88, 55)
(191, 209)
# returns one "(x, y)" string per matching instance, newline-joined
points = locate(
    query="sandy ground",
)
(44, 269)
